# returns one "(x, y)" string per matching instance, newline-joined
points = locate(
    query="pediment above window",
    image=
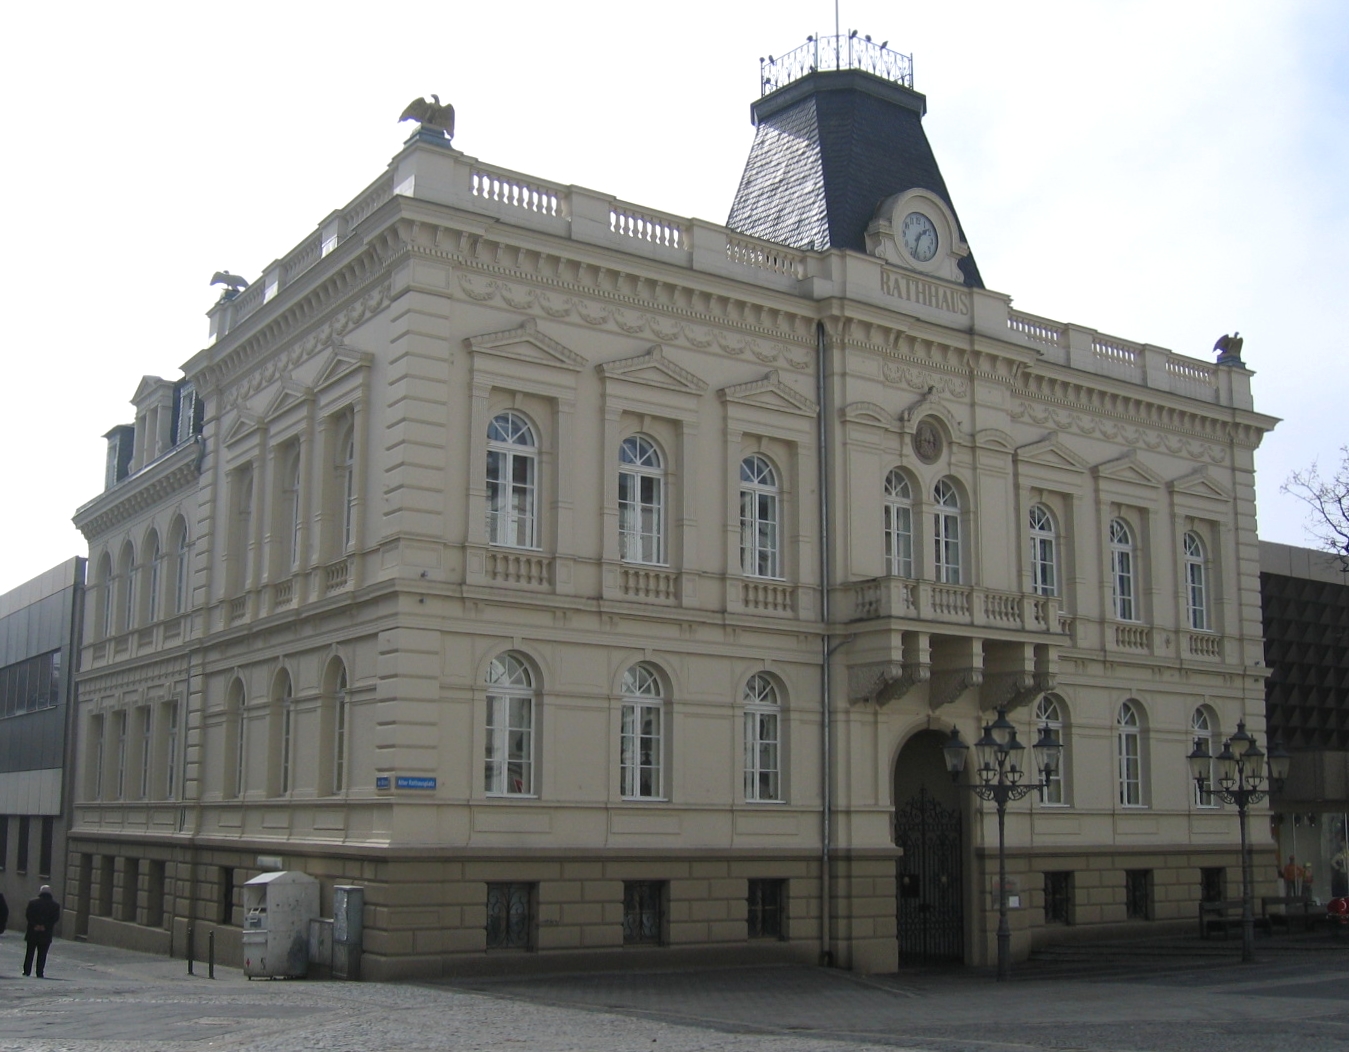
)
(1197, 483)
(342, 360)
(290, 395)
(655, 370)
(527, 344)
(770, 393)
(244, 425)
(866, 413)
(1051, 452)
(1128, 468)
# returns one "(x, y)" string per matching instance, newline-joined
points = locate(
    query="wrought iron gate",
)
(929, 911)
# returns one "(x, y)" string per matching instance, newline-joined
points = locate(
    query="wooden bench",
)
(1222, 917)
(1293, 906)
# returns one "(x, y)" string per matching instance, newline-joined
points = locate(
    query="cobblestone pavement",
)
(1173, 996)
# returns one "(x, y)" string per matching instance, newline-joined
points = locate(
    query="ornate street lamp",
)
(1245, 776)
(1001, 773)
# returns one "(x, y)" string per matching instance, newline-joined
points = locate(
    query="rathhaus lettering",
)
(926, 293)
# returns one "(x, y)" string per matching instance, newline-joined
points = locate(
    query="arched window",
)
(236, 727)
(946, 531)
(512, 489)
(898, 526)
(151, 570)
(126, 579)
(178, 545)
(1196, 583)
(290, 508)
(642, 740)
(1204, 728)
(1129, 751)
(334, 721)
(283, 732)
(763, 740)
(641, 501)
(760, 518)
(346, 473)
(1049, 713)
(509, 767)
(1044, 553)
(107, 585)
(1122, 570)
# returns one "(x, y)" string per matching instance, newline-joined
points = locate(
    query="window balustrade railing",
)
(1035, 329)
(666, 231)
(1133, 637)
(767, 596)
(648, 584)
(519, 568)
(514, 191)
(336, 576)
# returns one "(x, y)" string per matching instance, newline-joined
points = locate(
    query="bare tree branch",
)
(1328, 497)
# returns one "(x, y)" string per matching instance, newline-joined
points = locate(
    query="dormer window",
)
(188, 412)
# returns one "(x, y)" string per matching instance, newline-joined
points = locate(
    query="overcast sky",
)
(1161, 170)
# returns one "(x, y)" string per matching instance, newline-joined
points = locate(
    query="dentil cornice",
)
(148, 487)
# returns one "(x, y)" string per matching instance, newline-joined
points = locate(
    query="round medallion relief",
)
(927, 441)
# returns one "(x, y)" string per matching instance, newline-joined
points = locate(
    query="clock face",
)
(919, 236)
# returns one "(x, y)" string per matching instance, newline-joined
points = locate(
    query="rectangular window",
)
(643, 912)
(95, 788)
(31, 684)
(1213, 884)
(1123, 577)
(1138, 894)
(640, 530)
(510, 916)
(761, 756)
(121, 754)
(899, 540)
(147, 750)
(171, 752)
(510, 744)
(107, 868)
(154, 894)
(1058, 898)
(641, 751)
(1130, 769)
(44, 854)
(131, 872)
(21, 859)
(225, 904)
(767, 909)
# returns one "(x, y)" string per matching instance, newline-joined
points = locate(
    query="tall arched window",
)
(283, 732)
(126, 579)
(178, 545)
(946, 531)
(641, 501)
(107, 585)
(346, 473)
(334, 723)
(898, 525)
(512, 488)
(236, 718)
(1129, 752)
(150, 568)
(1044, 552)
(290, 508)
(763, 740)
(642, 737)
(509, 762)
(1196, 583)
(1049, 714)
(760, 518)
(1204, 728)
(1122, 570)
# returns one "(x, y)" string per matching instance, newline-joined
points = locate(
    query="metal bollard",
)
(191, 947)
(210, 955)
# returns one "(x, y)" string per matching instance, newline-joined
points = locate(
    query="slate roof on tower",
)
(828, 149)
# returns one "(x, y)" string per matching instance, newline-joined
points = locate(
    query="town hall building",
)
(591, 584)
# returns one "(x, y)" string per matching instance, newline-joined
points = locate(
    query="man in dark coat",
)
(42, 914)
(4, 914)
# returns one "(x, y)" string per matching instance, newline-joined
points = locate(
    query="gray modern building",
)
(39, 626)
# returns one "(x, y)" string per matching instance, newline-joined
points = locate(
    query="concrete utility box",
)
(277, 910)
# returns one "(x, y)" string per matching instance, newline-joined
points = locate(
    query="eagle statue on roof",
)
(432, 116)
(1229, 347)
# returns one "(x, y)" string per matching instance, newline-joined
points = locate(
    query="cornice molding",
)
(151, 485)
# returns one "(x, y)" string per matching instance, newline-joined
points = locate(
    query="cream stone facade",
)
(585, 581)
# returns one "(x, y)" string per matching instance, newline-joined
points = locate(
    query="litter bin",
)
(277, 910)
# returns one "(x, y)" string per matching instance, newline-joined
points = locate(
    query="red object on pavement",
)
(1338, 909)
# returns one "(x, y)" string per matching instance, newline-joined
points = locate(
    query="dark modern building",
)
(1305, 595)
(39, 641)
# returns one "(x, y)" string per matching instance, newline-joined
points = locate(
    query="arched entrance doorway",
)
(929, 908)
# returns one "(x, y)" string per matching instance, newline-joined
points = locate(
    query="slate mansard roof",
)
(828, 149)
